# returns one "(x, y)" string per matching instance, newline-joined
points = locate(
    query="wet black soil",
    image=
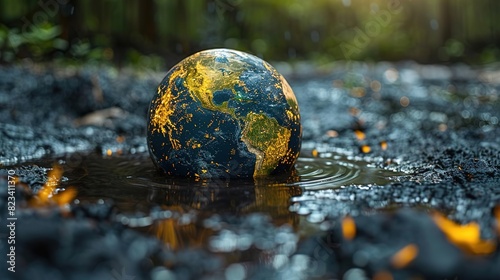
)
(389, 145)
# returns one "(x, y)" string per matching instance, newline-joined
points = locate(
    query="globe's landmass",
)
(223, 113)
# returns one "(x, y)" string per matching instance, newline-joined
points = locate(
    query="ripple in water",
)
(312, 173)
(318, 173)
(332, 170)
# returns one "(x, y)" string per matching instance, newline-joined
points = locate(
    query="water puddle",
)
(133, 183)
(136, 187)
(337, 170)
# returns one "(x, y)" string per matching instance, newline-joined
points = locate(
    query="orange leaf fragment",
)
(348, 228)
(360, 135)
(46, 195)
(467, 237)
(48, 188)
(405, 256)
(65, 197)
(315, 153)
(365, 149)
(383, 145)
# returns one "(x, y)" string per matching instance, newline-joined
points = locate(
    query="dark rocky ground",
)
(436, 124)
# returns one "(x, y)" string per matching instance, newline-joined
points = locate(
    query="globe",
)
(223, 113)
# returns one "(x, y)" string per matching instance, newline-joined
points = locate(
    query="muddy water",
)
(135, 187)
(132, 182)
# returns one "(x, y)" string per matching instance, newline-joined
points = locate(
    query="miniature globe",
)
(223, 114)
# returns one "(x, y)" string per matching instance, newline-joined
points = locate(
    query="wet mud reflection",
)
(135, 186)
(132, 182)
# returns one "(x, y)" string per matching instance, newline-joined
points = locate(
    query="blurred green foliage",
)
(39, 41)
(152, 33)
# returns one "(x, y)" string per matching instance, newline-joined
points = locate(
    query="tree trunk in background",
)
(70, 19)
(182, 19)
(445, 21)
(147, 21)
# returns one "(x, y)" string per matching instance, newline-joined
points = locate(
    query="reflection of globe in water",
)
(224, 113)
